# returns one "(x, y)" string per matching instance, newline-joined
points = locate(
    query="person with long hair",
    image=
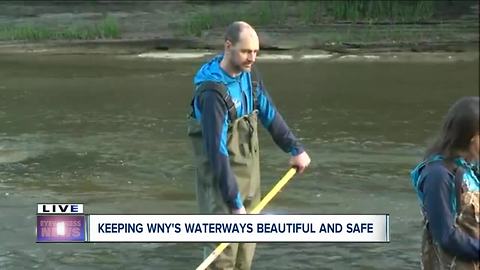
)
(447, 185)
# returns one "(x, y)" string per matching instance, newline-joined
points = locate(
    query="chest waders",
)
(467, 219)
(243, 151)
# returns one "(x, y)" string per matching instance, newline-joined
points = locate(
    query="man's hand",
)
(240, 211)
(300, 161)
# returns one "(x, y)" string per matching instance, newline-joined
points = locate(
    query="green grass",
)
(214, 15)
(266, 13)
(259, 13)
(310, 12)
(374, 11)
(197, 23)
(107, 28)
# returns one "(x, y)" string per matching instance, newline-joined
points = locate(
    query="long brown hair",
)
(460, 125)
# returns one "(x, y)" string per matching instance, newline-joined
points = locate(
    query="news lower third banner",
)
(68, 223)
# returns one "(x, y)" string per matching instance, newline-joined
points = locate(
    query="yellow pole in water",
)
(220, 248)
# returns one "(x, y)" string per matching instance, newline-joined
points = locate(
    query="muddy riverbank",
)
(163, 26)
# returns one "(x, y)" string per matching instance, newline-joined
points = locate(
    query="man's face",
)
(244, 52)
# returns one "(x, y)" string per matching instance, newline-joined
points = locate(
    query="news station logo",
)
(60, 223)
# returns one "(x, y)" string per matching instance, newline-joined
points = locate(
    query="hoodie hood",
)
(211, 71)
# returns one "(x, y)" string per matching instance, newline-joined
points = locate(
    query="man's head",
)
(241, 46)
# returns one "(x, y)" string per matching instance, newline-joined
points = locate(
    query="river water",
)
(110, 132)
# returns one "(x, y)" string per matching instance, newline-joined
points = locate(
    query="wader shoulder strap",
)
(221, 89)
(256, 81)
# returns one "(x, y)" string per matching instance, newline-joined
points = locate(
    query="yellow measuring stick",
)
(280, 184)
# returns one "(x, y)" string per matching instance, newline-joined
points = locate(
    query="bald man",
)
(228, 99)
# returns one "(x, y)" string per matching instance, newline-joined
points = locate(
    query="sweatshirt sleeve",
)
(439, 192)
(214, 122)
(276, 125)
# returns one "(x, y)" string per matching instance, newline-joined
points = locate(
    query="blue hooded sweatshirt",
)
(211, 112)
(435, 187)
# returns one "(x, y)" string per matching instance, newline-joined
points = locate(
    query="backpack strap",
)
(221, 89)
(458, 172)
(459, 186)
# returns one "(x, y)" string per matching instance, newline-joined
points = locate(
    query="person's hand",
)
(300, 161)
(240, 211)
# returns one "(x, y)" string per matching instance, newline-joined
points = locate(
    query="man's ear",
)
(228, 45)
